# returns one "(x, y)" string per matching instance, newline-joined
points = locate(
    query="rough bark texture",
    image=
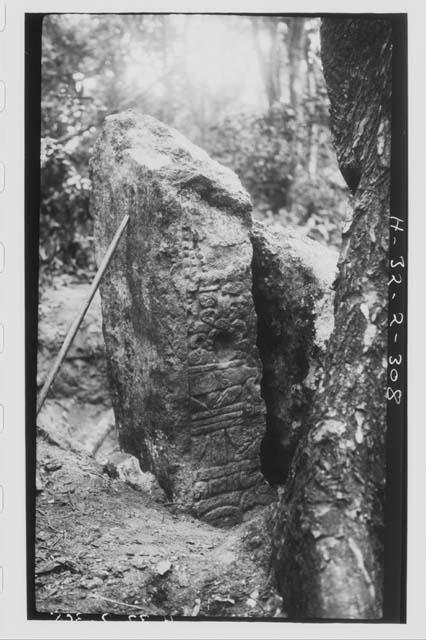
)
(329, 526)
(293, 297)
(179, 321)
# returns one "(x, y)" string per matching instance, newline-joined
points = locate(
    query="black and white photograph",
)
(216, 256)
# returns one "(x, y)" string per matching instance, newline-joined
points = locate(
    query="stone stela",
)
(179, 320)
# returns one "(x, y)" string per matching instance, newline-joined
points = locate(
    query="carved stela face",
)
(227, 414)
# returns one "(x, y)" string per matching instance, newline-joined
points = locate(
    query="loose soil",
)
(104, 546)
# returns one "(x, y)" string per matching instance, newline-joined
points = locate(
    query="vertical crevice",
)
(284, 291)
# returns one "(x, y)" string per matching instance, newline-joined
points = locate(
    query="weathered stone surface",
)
(179, 321)
(292, 289)
(77, 413)
(82, 375)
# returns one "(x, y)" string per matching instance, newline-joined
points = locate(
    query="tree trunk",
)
(328, 548)
(296, 46)
(269, 63)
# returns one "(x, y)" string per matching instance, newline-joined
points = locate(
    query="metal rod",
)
(77, 322)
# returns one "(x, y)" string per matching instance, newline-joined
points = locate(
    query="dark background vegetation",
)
(249, 90)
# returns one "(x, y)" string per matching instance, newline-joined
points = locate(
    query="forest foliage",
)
(248, 89)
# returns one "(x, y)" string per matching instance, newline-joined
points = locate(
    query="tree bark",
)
(328, 531)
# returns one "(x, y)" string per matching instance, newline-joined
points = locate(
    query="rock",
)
(292, 289)
(163, 567)
(91, 583)
(110, 469)
(101, 573)
(179, 321)
(126, 467)
(183, 579)
(52, 464)
(274, 606)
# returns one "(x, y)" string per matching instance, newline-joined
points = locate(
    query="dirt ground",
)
(106, 540)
